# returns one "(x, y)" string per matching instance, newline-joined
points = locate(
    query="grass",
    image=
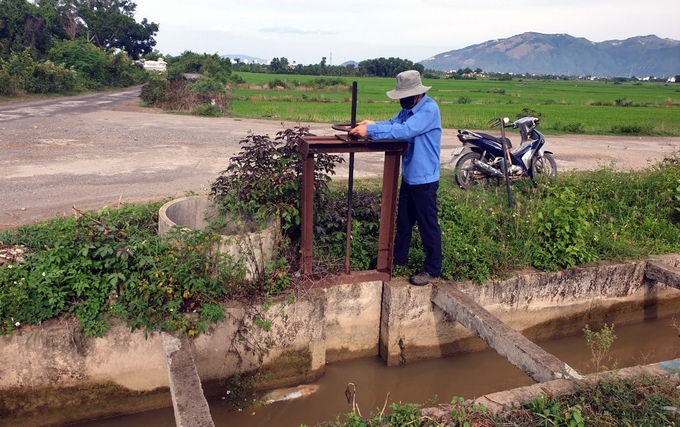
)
(591, 107)
(641, 401)
(112, 264)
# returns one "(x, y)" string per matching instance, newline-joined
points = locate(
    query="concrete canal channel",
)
(49, 374)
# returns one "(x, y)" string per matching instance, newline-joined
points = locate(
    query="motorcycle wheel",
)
(467, 175)
(544, 166)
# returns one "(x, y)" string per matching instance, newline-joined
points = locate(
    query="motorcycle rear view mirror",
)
(497, 121)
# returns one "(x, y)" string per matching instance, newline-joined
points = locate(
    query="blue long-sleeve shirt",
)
(422, 127)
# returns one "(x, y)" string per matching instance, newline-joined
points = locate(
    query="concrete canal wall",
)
(50, 374)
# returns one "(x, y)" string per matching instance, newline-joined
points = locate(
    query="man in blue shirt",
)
(419, 122)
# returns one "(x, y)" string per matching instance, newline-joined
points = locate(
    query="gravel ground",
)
(97, 150)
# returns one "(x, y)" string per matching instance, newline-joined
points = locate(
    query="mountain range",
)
(562, 54)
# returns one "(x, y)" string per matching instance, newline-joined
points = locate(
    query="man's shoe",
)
(421, 279)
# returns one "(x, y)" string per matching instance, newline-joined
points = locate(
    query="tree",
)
(208, 65)
(95, 68)
(89, 61)
(36, 25)
(24, 25)
(111, 24)
(390, 67)
(279, 65)
(154, 55)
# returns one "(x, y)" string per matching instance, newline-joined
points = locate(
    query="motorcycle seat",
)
(498, 139)
(522, 146)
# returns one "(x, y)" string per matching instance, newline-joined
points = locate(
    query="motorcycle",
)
(480, 159)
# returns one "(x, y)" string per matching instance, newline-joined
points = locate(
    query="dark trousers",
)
(418, 205)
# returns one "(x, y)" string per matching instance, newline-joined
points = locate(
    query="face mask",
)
(408, 102)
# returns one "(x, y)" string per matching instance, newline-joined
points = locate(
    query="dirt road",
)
(97, 150)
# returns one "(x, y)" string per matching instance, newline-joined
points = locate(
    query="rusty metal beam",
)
(307, 214)
(388, 208)
(393, 149)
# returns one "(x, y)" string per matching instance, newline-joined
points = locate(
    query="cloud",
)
(292, 30)
(220, 28)
(408, 30)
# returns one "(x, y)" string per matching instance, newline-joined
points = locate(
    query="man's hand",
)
(361, 128)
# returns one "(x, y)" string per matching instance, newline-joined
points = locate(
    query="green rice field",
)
(565, 107)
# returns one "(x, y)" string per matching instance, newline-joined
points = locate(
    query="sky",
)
(304, 31)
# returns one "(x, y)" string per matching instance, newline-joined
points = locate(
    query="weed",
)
(239, 390)
(466, 415)
(631, 130)
(599, 344)
(562, 231)
(209, 110)
(573, 128)
(278, 83)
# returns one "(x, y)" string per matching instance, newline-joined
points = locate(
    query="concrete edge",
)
(495, 403)
(188, 400)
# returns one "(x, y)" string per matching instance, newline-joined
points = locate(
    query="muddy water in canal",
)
(468, 376)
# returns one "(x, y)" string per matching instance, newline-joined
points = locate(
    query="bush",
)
(153, 92)
(113, 263)
(563, 231)
(208, 86)
(21, 74)
(265, 179)
(323, 83)
(330, 230)
(207, 65)
(174, 95)
(266, 175)
(96, 69)
(273, 84)
(207, 96)
(85, 58)
(236, 79)
(632, 130)
(208, 110)
(122, 73)
(573, 128)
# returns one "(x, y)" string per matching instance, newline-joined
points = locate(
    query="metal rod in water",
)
(350, 182)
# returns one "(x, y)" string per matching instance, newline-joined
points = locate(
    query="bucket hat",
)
(408, 84)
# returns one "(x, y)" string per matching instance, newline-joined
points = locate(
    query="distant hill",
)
(246, 58)
(346, 63)
(562, 54)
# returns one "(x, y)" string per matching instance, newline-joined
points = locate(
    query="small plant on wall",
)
(599, 344)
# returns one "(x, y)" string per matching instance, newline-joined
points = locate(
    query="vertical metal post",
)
(350, 182)
(307, 213)
(506, 158)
